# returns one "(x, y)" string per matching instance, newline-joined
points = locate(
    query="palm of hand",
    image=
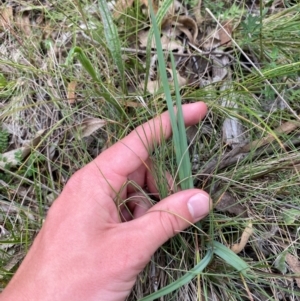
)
(84, 251)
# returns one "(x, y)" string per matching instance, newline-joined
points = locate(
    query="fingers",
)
(144, 177)
(142, 183)
(128, 154)
(108, 173)
(137, 204)
(170, 216)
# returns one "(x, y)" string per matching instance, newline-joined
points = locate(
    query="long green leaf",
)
(112, 39)
(162, 11)
(88, 66)
(165, 82)
(84, 60)
(185, 164)
(231, 258)
(186, 278)
(177, 121)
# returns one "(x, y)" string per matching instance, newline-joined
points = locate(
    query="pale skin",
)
(88, 250)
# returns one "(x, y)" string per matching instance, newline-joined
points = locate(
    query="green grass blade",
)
(165, 82)
(3, 81)
(182, 280)
(187, 182)
(84, 60)
(177, 122)
(112, 39)
(88, 66)
(231, 258)
(162, 11)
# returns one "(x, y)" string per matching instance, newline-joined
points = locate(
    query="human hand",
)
(84, 251)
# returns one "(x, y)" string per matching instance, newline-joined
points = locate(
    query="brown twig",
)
(240, 153)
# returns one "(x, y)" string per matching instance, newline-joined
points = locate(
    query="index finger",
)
(128, 154)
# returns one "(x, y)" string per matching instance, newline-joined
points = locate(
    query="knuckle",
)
(76, 181)
(170, 223)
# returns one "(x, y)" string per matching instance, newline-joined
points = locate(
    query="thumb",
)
(170, 216)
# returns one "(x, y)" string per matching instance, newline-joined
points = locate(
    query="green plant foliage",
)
(177, 121)
(280, 263)
(184, 168)
(88, 66)
(3, 140)
(233, 12)
(3, 81)
(231, 258)
(251, 26)
(186, 278)
(290, 216)
(112, 39)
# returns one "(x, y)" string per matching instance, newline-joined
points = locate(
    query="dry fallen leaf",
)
(133, 104)
(211, 41)
(23, 23)
(154, 85)
(176, 8)
(223, 36)
(121, 6)
(170, 31)
(220, 67)
(166, 43)
(173, 46)
(181, 80)
(143, 39)
(188, 26)
(71, 92)
(294, 265)
(88, 126)
(197, 13)
(227, 203)
(237, 248)
(6, 17)
(284, 128)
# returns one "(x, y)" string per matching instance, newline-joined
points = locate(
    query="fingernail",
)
(199, 205)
